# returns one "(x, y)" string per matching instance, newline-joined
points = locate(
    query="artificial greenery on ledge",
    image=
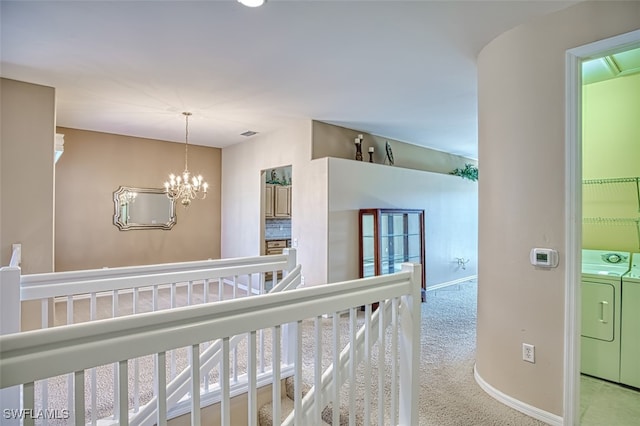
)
(469, 172)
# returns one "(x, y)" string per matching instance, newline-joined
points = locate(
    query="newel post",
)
(9, 323)
(292, 260)
(409, 345)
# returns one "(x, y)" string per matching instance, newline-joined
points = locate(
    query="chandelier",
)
(186, 187)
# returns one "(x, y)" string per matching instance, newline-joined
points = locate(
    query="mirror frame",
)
(131, 226)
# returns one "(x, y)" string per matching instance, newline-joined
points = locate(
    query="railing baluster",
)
(44, 312)
(161, 388)
(317, 373)
(261, 348)
(70, 378)
(353, 328)
(69, 309)
(394, 361)
(225, 399)
(114, 313)
(114, 306)
(79, 397)
(381, 361)
(235, 286)
(205, 291)
(44, 321)
(172, 364)
(220, 288)
(173, 295)
(367, 365)
(136, 362)
(94, 381)
(297, 378)
(235, 347)
(123, 393)
(195, 384)
(70, 399)
(235, 364)
(275, 367)
(336, 368)
(28, 402)
(154, 298)
(252, 404)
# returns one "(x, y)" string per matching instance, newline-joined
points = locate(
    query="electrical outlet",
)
(528, 353)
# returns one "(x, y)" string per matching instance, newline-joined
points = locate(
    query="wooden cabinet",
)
(388, 238)
(277, 201)
(275, 247)
(282, 201)
(268, 201)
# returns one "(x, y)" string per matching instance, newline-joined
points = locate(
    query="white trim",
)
(450, 283)
(529, 410)
(573, 223)
(573, 210)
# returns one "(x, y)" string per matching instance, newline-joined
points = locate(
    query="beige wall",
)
(335, 141)
(93, 166)
(26, 189)
(521, 147)
(27, 117)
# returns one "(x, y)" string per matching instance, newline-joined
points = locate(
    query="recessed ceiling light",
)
(248, 133)
(252, 3)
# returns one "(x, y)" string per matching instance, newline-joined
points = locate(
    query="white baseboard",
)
(529, 410)
(450, 283)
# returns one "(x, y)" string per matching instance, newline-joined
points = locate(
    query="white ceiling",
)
(399, 69)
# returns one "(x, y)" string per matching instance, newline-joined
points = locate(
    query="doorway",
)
(276, 213)
(573, 220)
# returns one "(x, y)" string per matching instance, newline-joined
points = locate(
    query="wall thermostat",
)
(544, 257)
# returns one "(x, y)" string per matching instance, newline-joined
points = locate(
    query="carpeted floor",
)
(449, 395)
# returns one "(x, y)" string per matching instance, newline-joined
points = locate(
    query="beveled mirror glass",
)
(143, 208)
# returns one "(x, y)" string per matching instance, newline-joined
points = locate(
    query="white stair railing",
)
(236, 277)
(36, 355)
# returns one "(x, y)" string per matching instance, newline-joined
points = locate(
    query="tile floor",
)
(605, 403)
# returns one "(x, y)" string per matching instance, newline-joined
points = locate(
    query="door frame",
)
(573, 210)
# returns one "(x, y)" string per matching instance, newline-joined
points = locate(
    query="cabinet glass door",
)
(368, 246)
(389, 238)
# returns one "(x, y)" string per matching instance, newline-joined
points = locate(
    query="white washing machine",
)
(630, 343)
(602, 273)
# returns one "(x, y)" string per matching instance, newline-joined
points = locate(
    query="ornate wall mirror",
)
(143, 208)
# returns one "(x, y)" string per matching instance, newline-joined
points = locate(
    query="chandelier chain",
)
(186, 139)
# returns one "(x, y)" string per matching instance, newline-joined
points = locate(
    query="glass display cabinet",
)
(388, 238)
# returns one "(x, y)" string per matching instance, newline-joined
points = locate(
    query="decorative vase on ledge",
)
(358, 143)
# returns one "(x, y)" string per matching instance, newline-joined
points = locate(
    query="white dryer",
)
(602, 273)
(630, 343)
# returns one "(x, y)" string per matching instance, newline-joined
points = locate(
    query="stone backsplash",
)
(277, 229)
